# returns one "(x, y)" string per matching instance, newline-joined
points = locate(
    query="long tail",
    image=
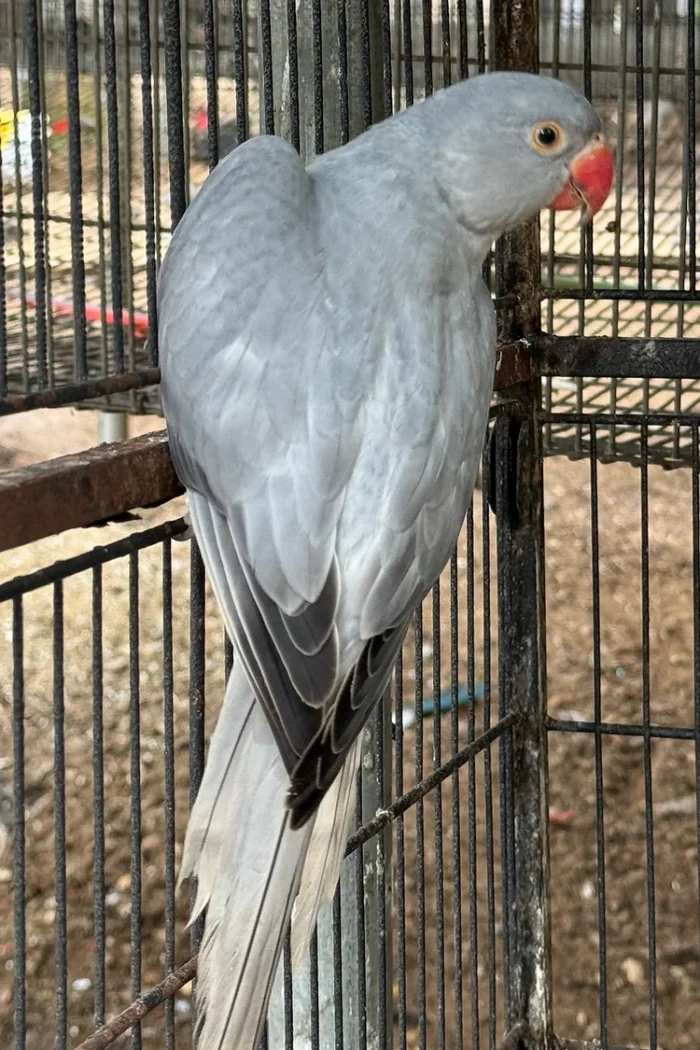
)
(248, 864)
(325, 854)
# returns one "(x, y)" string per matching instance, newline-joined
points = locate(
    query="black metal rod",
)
(19, 854)
(60, 570)
(98, 780)
(75, 167)
(59, 773)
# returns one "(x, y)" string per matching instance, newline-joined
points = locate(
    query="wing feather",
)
(326, 487)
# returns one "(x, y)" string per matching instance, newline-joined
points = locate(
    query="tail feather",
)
(324, 857)
(248, 864)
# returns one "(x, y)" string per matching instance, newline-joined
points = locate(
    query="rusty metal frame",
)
(97, 486)
(86, 489)
(100, 485)
(585, 356)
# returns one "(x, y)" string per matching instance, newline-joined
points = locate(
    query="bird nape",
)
(327, 349)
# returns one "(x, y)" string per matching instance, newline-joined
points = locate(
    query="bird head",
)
(515, 143)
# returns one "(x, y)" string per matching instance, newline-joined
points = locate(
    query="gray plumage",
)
(327, 351)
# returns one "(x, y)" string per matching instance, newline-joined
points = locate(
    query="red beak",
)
(590, 178)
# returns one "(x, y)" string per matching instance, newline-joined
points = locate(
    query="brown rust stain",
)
(85, 489)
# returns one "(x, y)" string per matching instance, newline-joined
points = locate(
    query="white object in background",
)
(111, 426)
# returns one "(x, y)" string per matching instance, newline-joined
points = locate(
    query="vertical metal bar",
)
(471, 786)
(197, 696)
(691, 19)
(597, 718)
(695, 526)
(268, 105)
(653, 160)
(288, 993)
(420, 831)
(174, 104)
(646, 719)
(338, 1025)
(99, 183)
(619, 177)
(313, 994)
(169, 784)
(359, 1019)
(154, 8)
(35, 74)
(488, 770)
(240, 69)
(408, 50)
(439, 976)
(317, 70)
(19, 207)
(184, 56)
(59, 768)
(456, 809)
(149, 175)
(114, 182)
(463, 29)
(293, 73)
(446, 46)
(3, 293)
(211, 77)
(75, 165)
(45, 187)
(98, 777)
(400, 877)
(19, 857)
(520, 535)
(135, 786)
(428, 46)
(639, 92)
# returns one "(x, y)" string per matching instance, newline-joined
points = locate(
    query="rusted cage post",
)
(518, 493)
(328, 69)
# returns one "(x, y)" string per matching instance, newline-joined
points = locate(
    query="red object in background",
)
(93, 312)
(561, 816)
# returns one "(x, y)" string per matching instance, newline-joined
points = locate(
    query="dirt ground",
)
(576, 945)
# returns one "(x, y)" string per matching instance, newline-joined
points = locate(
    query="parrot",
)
(327, 351)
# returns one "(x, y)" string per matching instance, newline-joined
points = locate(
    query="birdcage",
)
(524, 865)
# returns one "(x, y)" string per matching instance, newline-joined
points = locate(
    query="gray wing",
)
(266, 396)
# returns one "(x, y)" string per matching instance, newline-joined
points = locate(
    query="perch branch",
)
(172, 984)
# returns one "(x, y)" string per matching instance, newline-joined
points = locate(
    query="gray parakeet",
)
(327, 350)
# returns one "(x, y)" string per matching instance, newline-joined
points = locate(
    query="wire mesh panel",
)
(110, 654)
(112, 115)
(622, 594)
(635, 274)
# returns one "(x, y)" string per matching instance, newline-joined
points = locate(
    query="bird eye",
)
(547, 137)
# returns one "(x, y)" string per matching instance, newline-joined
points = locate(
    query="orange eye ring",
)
(547, 136)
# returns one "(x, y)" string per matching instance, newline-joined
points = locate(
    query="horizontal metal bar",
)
(96, 486)
(621, 419)
(570, 725)
(513, 367)
(60, 570)
(610, 357)
(587, 1044)
(635, 295)
(70, 395)
(85, 489)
